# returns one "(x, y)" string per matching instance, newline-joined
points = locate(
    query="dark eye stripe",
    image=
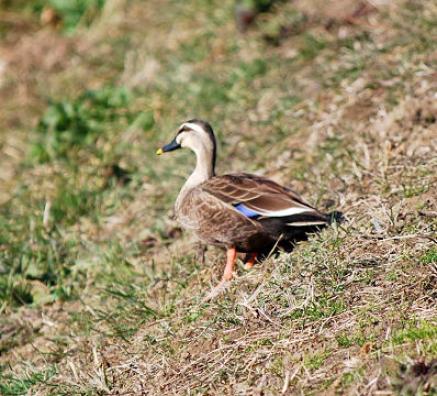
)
(184, 129)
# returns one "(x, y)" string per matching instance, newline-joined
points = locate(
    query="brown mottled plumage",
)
(241, 212)
(208, 210)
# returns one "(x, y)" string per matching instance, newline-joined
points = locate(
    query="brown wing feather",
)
(256, 192)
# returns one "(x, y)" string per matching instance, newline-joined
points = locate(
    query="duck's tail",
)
(287, 231)
(336, 217)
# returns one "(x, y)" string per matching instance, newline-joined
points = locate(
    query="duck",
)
(241, 212)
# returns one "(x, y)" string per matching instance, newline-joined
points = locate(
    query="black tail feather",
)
(336, 217)
(288, 235)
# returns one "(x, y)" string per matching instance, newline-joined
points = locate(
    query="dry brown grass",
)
(345, 111)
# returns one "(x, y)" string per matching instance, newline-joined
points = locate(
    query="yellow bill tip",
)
(159, 151)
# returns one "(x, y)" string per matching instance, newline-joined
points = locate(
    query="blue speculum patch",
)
(246, 211)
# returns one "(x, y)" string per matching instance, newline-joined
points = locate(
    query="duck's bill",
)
(173, 145)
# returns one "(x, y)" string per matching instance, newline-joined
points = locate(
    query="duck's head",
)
(197, 135)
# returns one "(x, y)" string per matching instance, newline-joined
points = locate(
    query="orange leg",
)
(251, 258)
(231, 256)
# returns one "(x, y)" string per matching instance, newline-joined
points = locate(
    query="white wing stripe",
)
(284, 212)
(306, 223)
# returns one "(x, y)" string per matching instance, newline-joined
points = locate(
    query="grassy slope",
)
(105, 295)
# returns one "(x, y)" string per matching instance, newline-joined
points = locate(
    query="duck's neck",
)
(204, 167)
(204, 170)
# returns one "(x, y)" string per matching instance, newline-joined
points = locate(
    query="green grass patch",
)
(430, 256)
(324, 308)
(416, 331)
(350, 377)
(11, 385)
(344, 341)
(71, 13)
(70, 125)
(316, 360)
(74, 12)
(311, 46)
(42, 256)
(15, 291)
